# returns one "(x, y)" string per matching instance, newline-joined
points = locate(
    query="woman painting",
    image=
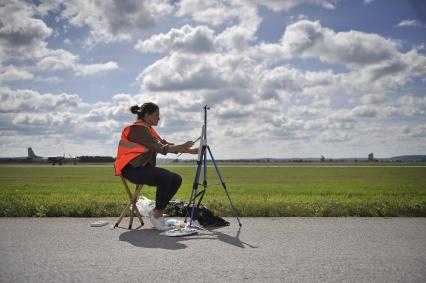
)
(136, 158)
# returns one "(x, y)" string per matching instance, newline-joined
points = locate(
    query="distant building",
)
(371, 157)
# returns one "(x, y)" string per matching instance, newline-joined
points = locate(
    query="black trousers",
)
(167, 182)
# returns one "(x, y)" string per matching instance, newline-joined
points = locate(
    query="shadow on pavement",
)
(150, 238)
(235, 241)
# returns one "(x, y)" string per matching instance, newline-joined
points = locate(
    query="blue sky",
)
(283, 78)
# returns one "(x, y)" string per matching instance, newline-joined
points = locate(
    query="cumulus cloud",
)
(23, 37)
(186, 39)
(373, 99)
(309, 39)
(411, 105)
(25, 100)
(12, 73)
(60, 120)
(117, 111)
(112, 21)
(46, 120)
(288, 4)
(303, 111)
(90, 69)
(352, 49)
(21, 34)
(290, 103)
(291, 80)
(364, 111)
(374, 63)
(408, 23)
(258, 92)
(417, 131)
(220, 12)
(211, 12)
(189, 72)
(241, 19)
(335, 137)
(389, 74)
(60, 59)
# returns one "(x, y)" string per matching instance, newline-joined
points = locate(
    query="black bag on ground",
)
(205, 216)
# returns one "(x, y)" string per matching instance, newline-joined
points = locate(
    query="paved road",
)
(264, 250)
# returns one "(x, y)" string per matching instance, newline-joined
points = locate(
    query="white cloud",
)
(288, 4)
(291, 81)
(352, 49)
(211, 12)
(408, 23)
(25, 100)
(21, 35)
(45, 120)
(309, 39)
(335, 137)
(241, 20)
(304, 111)
(186, 39)
(90, 69)
(374, 63)
(60, 59)
(387, 75)
(189, 72)
(239, 17)
(364, 111)
(412, 105)
(112, 21)
(417, 131)
(346, 101)
(290, 104)
(117, 111)
(53, 79)
(59, 121)
(373, 99)
(12, 73)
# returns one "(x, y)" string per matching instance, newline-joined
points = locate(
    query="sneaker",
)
(158, 223)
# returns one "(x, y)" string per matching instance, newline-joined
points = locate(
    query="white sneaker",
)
(158, 223)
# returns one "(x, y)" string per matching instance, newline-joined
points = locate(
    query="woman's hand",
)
(192, 151)
(181, 147)
(163, 141)
(188, 144)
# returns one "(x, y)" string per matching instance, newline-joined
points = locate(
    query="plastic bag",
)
(145, 205)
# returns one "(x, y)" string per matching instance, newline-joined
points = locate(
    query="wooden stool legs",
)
(132, 203)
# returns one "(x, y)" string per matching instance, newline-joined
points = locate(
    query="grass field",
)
(255, 190)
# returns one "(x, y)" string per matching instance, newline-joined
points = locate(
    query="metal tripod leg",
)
(224, 186)
(195, 188)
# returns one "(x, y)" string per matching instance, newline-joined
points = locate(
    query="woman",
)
(136, 158)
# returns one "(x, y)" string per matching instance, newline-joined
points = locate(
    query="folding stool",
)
(132, 202)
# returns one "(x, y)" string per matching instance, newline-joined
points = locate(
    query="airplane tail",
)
(31, 153)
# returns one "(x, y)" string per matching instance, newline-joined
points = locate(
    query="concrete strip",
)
(264, 250)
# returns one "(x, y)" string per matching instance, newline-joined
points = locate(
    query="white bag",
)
(145, 205)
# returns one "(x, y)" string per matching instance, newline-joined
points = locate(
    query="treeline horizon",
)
(404, 158)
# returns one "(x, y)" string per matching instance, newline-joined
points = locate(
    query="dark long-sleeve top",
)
(143, 136)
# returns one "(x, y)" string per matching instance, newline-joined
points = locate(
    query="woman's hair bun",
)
(135, 109)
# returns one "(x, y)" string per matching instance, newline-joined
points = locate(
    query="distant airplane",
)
(62, 159)
(33, 158)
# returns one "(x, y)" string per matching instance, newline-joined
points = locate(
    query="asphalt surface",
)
(264, 250)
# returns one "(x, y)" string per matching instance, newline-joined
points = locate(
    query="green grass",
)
(256, 191)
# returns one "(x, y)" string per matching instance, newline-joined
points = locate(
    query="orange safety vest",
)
(128, 150)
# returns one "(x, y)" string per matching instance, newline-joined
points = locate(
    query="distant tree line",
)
(87, 158)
